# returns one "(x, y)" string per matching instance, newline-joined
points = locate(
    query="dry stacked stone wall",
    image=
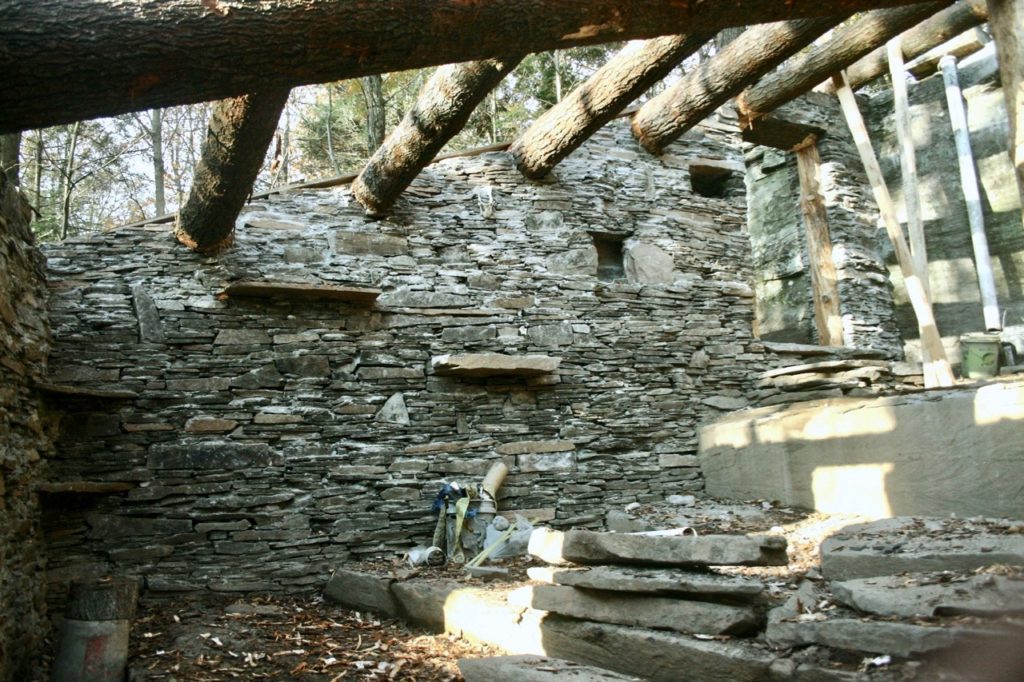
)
(24, 344)
(859, 250)
(269, 441)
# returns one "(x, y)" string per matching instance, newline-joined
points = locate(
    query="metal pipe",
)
(972, 194)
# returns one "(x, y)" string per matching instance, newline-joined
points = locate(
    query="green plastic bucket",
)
(979, 355)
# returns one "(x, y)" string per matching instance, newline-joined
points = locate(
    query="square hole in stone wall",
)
(609, 256)
(710, 181)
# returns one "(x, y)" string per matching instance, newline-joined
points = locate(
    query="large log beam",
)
(754, 53)
(944, 26)
(237, 140)
(1007, 18)
(68, 60)
(444, 105)
(614, 86)
(847, 45)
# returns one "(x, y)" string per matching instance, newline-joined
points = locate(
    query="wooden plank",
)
(908, 161)
(84, 487)
(1006, 19)
(937, 371)
(965, 44)
(300, 290)
(824, 281)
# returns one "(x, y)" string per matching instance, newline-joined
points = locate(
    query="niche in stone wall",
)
(610, 266)
(711, 179)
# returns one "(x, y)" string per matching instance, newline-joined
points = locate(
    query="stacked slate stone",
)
(651, 580)
(819, 372)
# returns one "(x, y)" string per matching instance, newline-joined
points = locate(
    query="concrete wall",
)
(24, 343)
(785, 307)
(271, 441)
(937, 453)
(951, 269)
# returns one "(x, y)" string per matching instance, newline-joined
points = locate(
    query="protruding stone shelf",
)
(84, 392)
(84, 487)
(494, 364)
(363, 296)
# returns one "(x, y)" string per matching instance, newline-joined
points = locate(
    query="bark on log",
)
(847, 45)
(710, 85)
(626, 76)
(444, 105)
(237, 140)
(68, 60)
(946, 25)
(1007, 17)
(103, 599)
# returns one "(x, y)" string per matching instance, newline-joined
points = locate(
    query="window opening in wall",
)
(609, 256)
(710, 181)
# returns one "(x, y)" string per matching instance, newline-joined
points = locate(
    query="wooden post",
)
(937, 371)
(908, 161)
(1006, 20)
(442, 108)
(824, 281)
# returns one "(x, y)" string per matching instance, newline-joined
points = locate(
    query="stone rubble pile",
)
(809, 372)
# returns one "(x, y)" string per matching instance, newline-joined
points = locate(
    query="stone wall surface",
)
(782, 280)
(952, 276)
(271, 440)
(24, 344)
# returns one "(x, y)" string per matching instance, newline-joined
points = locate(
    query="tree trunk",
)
(708, 86)
(847, 45)
(611, 89)
(1006, 20)
(68, 61)
(373, 93)
(10, 157)
(67, 185)
(156, 137)
(444, 105)
(946, 25)
(237, 139)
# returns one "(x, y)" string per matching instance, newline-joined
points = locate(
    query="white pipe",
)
(972, 195)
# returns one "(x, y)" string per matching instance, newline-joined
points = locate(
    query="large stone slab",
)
(928, 594)
(651, 581)
(590, 547)
(908, 544)
(526, 668)
(936, 453)
(494, 364)
(362, 592)
(211, 455)
(662, 613)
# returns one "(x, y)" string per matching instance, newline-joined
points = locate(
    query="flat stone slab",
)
(661, 613)
(494, 364)
(919, 545)
(929, 594)
(526, 668)
(362, 592)
(651, 581)
(823, 366)
(303, 291)
(590, 547)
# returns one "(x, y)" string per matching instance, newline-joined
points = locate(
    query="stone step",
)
(662, 613)
(929, 594)
(591, 547)
(651, 581)
(526, 668)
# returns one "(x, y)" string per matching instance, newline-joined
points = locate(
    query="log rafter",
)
(68, 61)
(444, 105)
(751, 55)
(847, 44)
(626, 76)
(930, 33)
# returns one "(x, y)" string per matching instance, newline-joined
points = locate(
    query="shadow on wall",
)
(957, 451)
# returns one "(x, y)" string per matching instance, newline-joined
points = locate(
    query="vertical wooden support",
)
(1006, 17)
(908, 160)
(819, 245)
(937, 371)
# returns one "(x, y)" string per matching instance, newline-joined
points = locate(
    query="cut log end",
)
(189, 242)
(645, 140)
